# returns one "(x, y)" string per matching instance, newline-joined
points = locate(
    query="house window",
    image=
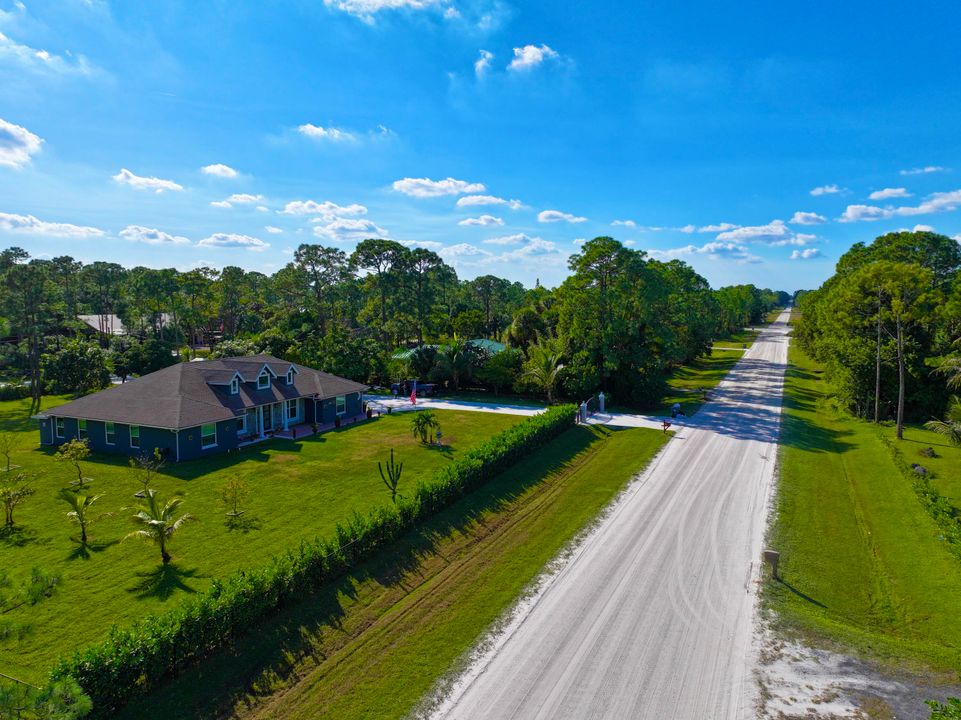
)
(61, 427)
(134, 436)
(292, 409)
(110, 430)
(341, 404)
(81, 429)
(290, 377)
(263, 381)
(242, 425)
(234, 386)
(208, 435)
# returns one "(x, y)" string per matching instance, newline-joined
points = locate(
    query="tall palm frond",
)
(950, 427)
(951, 366)
(158, 522)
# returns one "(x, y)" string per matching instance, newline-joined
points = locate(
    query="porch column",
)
(260, 420)
(286, 414)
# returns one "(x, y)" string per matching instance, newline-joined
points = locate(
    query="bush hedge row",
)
(132, 659)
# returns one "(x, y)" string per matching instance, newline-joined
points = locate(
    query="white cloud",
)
(472, 200)
(427, 188)
(922, 228)
(515, 239)
(262, 208)
(30, 225)
(482, 221)
(327, 210)
(245, 198)
(856, 213)
(806, 254)
(219, 170)
(714, 250)
(549, 216)
(825, 190)
(688, 229)
(464, 250)
(151, 236)
(483, 63)
(720, 227)
(273, 230)
(956, 237)
(17, 145)
(348, 229)
(125, 177)
(889, 193)
(42, 61)
(232, 240)
(933, 203)
(578, 241)
(807, 218)
(530, 56)
(624, 223)
(775, 231)
(332, 134)
(366, 9)
(427, 244)
(220, 204)
(923, 170)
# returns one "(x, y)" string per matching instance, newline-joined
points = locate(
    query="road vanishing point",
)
(652, 616)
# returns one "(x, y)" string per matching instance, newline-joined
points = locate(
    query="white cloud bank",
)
(775, 233)
(349, 230)
(332, 134)
(427, 188)
(42, 61)
(549, 216)
(327, 210)
(238, 199)
(151, 236)
(366, 9)
(482, 221)
(232, 240)
(219, 170)
(125, 177)
(17, 145)
(531, 56)
(715, 250)
(30, 225)
(923, 170)
(474, 200)
(806, 254)
(483, 63)
(933, 203)
(807, 218)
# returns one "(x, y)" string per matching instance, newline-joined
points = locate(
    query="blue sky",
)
(755, 141)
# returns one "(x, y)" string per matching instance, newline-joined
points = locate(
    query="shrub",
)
(132, 659)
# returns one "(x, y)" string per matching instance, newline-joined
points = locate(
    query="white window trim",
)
(106, 433)
(263, 374)
(234, 386)
(130, 435)
(296, 415)
(212, 445)
(337, 402)
(243, 424)
(84, 430)
(60, 428)
(290, 377)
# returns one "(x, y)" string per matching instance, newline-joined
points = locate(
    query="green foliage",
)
(78, 367)
(79, 512)
(949, 710)
(158, 645)
(39, 586)
(232, 494)
(75, 452)
(390, 474)
(543, 367)
(950, 427)
(157, 522)
(12, 494)
(501, 370)
(59, 700)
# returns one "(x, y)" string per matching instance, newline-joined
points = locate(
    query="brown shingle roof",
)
(190, 394)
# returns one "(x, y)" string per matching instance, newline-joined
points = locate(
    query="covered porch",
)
(299, 430)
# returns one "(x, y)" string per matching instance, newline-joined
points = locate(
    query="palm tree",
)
(455, 362)
(544, 367)
(158, 522)
(424, 425)
(950, 427)
(80, 510)
(951, 366)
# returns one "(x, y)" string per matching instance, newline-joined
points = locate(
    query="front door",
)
(278, 409)
(268, 418)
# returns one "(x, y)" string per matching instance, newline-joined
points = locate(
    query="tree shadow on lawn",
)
(84, 551)
(164, 581)
(262, 659)
(20, 536)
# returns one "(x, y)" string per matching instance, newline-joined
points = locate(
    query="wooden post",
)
(771, 557)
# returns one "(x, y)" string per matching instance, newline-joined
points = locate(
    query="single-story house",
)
(191, 410)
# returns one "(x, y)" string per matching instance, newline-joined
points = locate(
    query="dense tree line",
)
(887, 325)
(620, 322)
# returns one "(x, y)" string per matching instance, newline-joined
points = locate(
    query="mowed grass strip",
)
(298, 489)
(371, 645)
(686, 383)
(862, 562)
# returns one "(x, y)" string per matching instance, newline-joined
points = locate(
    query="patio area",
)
(301, 430)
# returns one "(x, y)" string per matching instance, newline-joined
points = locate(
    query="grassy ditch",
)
(371, 644)
(298, 489)
(863, 563)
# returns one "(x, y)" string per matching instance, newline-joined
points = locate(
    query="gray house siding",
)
(328, 408)
(191, 445)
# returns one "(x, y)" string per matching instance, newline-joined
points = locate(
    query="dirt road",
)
(652, 616)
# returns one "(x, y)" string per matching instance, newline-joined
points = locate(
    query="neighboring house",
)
(190, 410)
(108, 324)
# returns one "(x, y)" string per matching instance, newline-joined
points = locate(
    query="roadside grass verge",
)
(944, 469)
(687, 382)
(298, 490)
(862, 563)
(744, 336)
(371, 644)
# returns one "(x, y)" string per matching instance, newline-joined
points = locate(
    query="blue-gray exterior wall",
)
(191, 445)
(150, 438)
(328, 408)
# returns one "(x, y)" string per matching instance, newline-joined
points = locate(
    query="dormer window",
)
(263, 380)
(290, 376)
(234, 386)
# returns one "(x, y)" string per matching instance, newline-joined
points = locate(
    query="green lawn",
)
(945, 468)
(740, 339)
(371, 645)
(862, 562)
(298, 490)
(685, 384)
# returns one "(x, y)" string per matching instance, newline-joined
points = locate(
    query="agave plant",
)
(158, 523)
(950, 427)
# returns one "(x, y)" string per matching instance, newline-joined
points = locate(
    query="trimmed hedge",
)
(132, 659)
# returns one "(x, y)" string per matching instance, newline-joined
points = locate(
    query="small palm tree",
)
(951, 366)
(79, 512)
(543, 367)
(423, 425)
(950, 427)
(157, 521)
